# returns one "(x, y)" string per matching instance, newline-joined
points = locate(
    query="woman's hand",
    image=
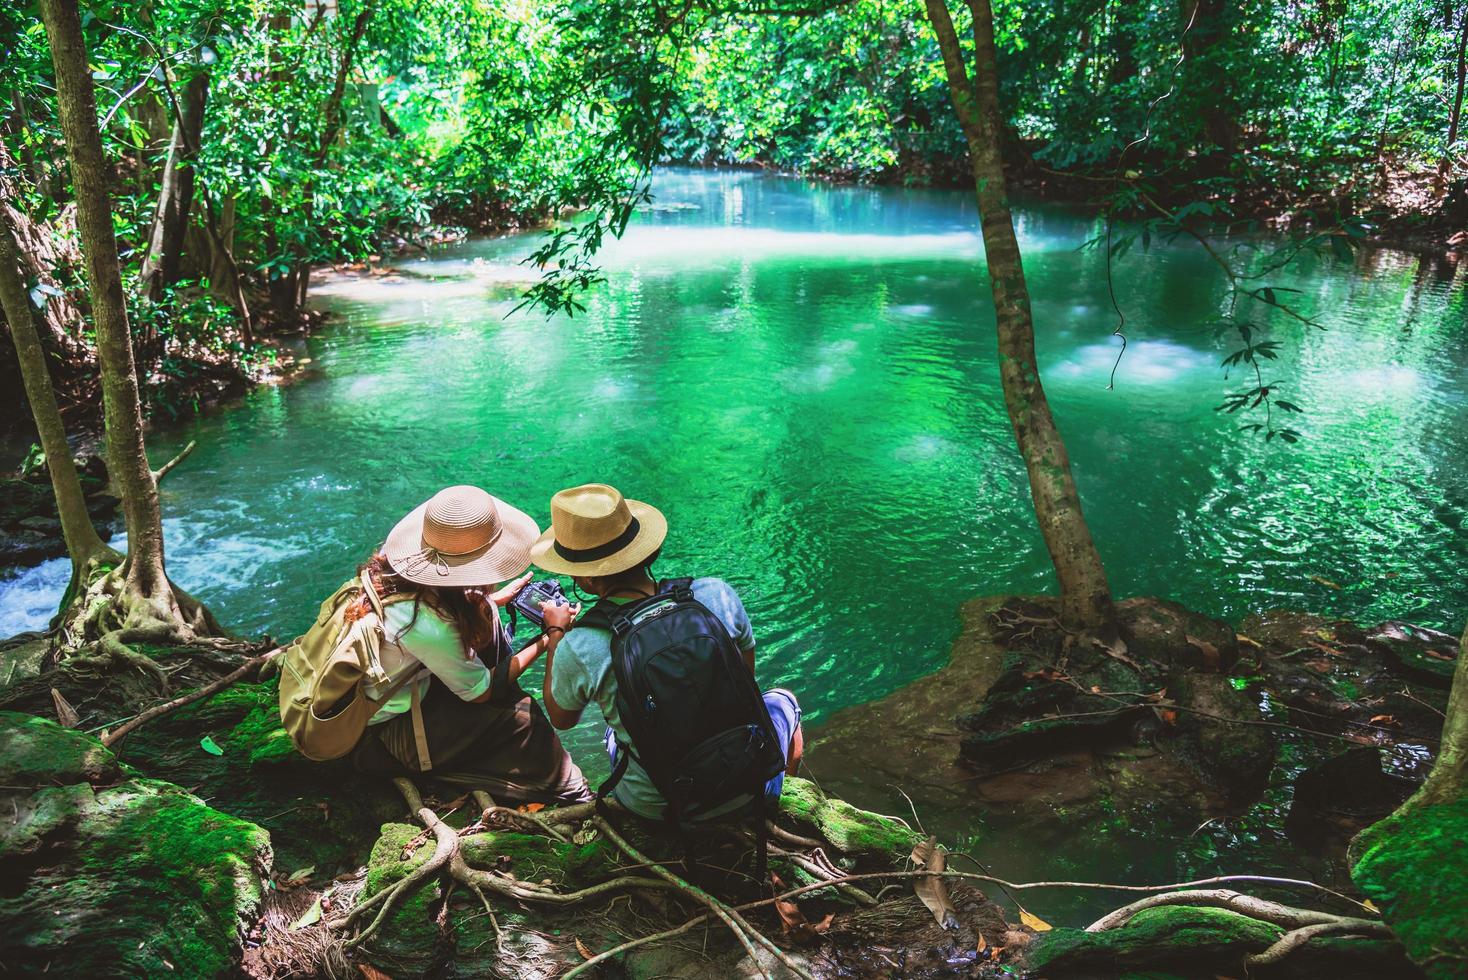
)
(558, 615)
(504, 596)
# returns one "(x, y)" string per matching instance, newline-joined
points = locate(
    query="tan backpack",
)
(328, 666)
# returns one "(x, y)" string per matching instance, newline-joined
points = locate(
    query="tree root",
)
(743, 931)
(507, 816)
(1296, 938)
(812, 865)
(1219, 898)
(1303, 925)
(111, 738)
(445, 850)
(784, 836)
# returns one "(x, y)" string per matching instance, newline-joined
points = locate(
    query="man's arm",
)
(558, 619)
(560, 717)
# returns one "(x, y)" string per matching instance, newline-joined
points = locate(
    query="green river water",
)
(803, 377)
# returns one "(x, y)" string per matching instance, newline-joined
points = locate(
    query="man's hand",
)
(559, 615)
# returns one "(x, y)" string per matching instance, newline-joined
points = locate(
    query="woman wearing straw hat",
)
(607, 545)
(465, 712)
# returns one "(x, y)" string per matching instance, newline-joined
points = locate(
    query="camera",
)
(527, 601)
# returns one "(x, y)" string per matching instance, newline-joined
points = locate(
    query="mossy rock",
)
(36, 751)
(322, 815)
(1414, 866)
(137, 879)
(851, 830)
(409, 942)
(1226, 743)
(1206, 942)
(530, 857)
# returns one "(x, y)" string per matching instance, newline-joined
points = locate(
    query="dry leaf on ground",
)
(65, 713)
(928, 856)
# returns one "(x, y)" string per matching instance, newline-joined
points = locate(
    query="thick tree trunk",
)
(146, 579)
(82, 541)
(1205, 26)
(1448, 780)
(1085, 596)
(162, 260)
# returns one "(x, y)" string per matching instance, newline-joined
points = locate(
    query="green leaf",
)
(309, 917)
(208, 744)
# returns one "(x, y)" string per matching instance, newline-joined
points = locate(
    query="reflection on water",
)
(804, 378)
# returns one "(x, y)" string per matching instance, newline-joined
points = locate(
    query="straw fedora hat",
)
(462, 536)
(596, 531)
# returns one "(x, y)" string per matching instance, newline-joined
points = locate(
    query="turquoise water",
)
(803, 377)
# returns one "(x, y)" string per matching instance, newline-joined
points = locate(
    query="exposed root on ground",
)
(1302, 925)
(111, 738)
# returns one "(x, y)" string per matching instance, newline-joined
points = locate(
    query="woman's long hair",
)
(468, 615)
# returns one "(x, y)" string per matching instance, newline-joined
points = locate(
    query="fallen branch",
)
(111, 738)
(743, 931)
(602, 957)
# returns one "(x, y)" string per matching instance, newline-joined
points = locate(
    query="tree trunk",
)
(1455, 113)
(1448, 780)
(82, 541)
(1205, 26)
(1085, 596)
(146, 580)
(162, 261)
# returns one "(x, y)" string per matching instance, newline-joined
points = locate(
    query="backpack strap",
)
(680, 588)
(420, 736)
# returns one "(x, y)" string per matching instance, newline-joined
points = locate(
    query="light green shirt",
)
(430, 643)
(581, 673)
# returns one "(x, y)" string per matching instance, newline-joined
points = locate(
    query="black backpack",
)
(697, 720)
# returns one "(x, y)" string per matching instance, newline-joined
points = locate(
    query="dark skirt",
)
(511, 752)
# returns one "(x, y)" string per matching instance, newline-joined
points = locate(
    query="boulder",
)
(1169, 634)
(104, 877)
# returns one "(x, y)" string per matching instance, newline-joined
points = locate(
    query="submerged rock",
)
(102, 877)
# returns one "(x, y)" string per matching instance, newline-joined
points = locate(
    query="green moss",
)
(851, 830)
(140, 879)
(535, 858)
(1169, 935)
(322, 815)
(1414, 866)
(35, 751)
(409, 941)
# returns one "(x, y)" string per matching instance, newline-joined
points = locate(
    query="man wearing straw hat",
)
(607, 545)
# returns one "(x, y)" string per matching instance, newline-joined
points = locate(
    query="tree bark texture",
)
(163, 260)
(82, 541)
(1448, 780)
(1085, 595)
(127, 457)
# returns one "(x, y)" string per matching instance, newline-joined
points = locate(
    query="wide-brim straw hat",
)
(596, 531)
(463, 536)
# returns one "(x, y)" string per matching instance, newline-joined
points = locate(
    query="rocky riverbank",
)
(201, 844)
